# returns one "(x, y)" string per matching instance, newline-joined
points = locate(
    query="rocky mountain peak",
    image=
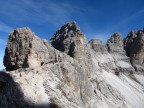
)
(70, 27)
(116, 38)
(69, 39)
(97, 45)
(116, 49)
(115, 43)
(95, 41)
(134, 47)
(18, 47)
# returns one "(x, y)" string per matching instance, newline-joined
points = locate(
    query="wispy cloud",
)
(130, 18)
(5, 28)
(2, 42)
(1, 56)
(40, 12)
(2, 50)
(1, 62)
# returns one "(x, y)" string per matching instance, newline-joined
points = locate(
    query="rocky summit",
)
(134, 46)
(69, 72)
(115, 47)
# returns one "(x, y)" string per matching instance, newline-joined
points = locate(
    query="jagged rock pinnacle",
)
(69, 39)
(18, 47)
(116, 49)
(115, 43)
(134, 46)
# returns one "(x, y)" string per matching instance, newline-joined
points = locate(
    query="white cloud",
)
(1, 62)
(55, 13)
(5, 28)
(1, 66)
(2, 42)
(2, 51)
(129, 19)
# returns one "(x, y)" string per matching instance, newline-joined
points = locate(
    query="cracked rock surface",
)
(134, 46)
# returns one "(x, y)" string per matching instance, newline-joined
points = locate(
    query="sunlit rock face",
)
(134, 46)
(116, 49)
(68, 72)
(104, 59)
(18, 48)
(24, 50)
(69, 39)
(115, 43)
(97, 46)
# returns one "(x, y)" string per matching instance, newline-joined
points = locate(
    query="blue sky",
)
(96, 18)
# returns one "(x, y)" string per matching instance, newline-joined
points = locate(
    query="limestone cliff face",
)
(134, 46)
(97, 46)
(69, 39)
(24, 50)
(115, 43)
(116, 49)
(104, 59)
(67, 72)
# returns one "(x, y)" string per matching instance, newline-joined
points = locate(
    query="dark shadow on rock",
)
(11, 95)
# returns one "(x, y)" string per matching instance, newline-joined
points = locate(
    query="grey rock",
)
(104, 59)
(69, 39)
(115, 43)
(97, 46)
(24, 50)
(134, 46)
(116, 49)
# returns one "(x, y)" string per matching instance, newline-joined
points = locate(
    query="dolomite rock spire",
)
(116, 49)
(69, 39)
(134, 46)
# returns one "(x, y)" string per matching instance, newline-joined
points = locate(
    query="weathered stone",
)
(69, 39)
(134, 46)
(116, 49)
(24, 50)
(104, 59)
(115, 43)
(97, 46)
